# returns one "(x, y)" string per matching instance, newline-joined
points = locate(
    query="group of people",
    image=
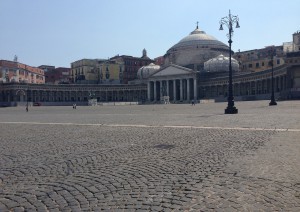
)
(74, 106)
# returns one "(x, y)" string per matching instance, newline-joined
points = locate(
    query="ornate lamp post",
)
(229, 21)
(272, 102)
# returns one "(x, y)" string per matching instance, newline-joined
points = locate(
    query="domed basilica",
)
(178, 77)
(197, 68)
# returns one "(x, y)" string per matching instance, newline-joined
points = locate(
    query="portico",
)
(177, 82)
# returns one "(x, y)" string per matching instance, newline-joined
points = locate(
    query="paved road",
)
(151, 158)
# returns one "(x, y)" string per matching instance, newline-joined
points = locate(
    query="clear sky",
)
(58, 32)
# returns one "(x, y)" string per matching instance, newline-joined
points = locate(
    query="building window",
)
(257, 65)
(263, 64)
(250, 65)
(107, 73)
(278, 61)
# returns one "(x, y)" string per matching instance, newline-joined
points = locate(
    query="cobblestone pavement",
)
(77, 164)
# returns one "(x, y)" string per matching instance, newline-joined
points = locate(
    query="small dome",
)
(220, 64)
(145, 71)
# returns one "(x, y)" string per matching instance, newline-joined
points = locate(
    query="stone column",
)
(195, 89)
(149, 90)
(174, 90)
(181, 89)
(160, 89)
(167, 87)
(188, 89)
(155, 92)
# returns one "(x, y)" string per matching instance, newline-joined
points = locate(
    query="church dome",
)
(220, 64)
(198, 38)
(193, 50)
(145, 71)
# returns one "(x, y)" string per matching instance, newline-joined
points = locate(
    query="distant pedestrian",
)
(193, 103)
(74, 106)
(27, 108)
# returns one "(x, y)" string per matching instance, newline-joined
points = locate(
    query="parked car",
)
(37, 104)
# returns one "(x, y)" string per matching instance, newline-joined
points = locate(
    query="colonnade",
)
(81, 96)
(246, 88)
(45, 93)
(177, 89)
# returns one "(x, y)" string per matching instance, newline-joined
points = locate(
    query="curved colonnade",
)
(71, 93)
(245, 85)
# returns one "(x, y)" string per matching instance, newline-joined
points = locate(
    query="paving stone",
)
(235, 163)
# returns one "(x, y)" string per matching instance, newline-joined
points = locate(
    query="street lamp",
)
(229, 21)
(272, 102)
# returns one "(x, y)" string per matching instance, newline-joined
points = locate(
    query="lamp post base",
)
(272, 103)
(231, 110)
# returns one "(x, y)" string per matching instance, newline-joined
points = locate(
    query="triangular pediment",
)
(172, 70)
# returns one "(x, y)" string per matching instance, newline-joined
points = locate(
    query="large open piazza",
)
(151, 158)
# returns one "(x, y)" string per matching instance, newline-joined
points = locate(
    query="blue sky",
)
(58, 32)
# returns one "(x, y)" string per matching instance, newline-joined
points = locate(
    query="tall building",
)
(85, 71)
(58, 75)
(296, 41)
(258, 59)
(132, 65)
(46, 68)
(13, 71)
(110, 72)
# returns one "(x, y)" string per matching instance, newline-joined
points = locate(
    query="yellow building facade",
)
(85, 71)
(110, 72)
(97, 71)
(259, 59)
